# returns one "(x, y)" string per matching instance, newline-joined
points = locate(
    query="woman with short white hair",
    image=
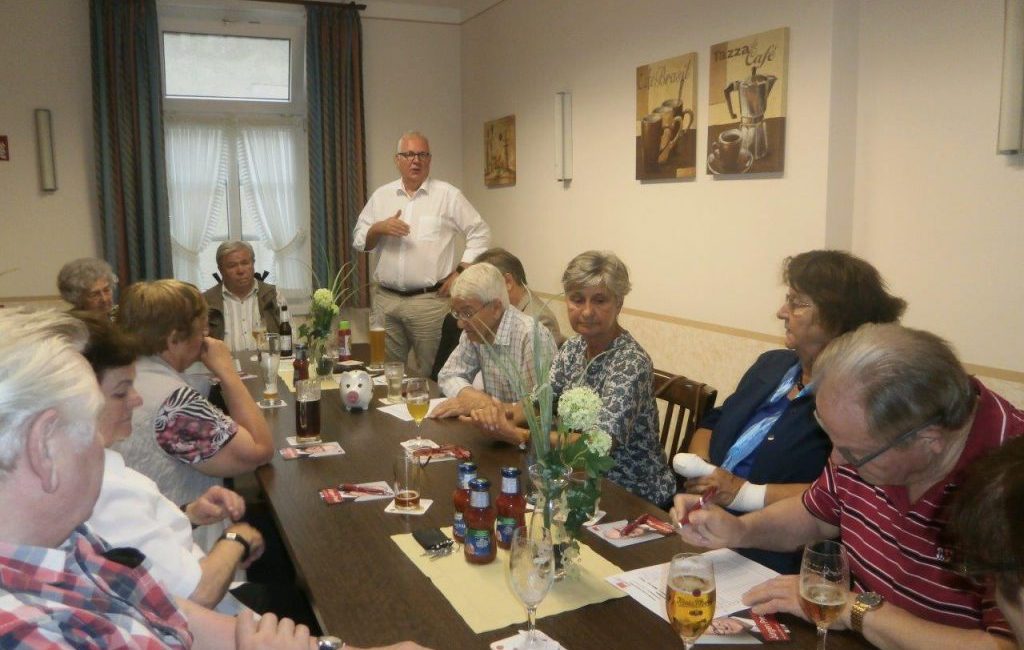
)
(88, 284)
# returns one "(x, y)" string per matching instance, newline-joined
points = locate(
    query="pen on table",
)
(353, 487)
(705, 499)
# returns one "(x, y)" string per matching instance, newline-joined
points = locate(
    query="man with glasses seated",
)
(498, 341)
(906, 422)
(412, 223)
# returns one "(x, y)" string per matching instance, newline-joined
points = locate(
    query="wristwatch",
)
(866, 602)
(235, 537)
(329, 643)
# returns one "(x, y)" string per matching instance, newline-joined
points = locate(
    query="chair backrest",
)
(686, 403)
(259, 276)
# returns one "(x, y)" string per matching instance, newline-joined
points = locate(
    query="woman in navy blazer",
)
(763, 441)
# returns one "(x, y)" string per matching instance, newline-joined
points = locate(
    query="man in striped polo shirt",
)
(905, 421)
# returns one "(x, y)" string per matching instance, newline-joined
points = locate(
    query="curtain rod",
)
(317, 3)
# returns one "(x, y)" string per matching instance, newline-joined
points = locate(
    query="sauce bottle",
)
(511, 506)
(480, 546)
(460, 499)
(301, 363)
(344, 341)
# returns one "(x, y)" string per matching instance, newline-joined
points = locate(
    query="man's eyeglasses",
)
(465, 315)
(410, 155)
(855, 462)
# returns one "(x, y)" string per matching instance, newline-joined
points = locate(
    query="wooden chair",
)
(687, 401)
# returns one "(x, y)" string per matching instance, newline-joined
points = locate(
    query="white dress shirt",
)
(131, 511)
(239, 316)
(436, 213)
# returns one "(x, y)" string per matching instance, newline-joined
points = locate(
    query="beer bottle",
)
(285, 330)
(480, 546)
(301, 363)
(460, 499)
(511, 506)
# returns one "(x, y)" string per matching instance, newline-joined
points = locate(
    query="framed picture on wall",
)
(500, 152)
(747, 104)
(666, 129)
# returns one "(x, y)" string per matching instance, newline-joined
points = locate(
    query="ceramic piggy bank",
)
(356, 389)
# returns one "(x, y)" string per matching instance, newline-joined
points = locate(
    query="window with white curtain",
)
(235, 140)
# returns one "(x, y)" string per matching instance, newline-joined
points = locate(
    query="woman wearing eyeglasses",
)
(763, 443)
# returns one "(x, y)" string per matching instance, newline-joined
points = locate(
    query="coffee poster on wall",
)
(666, 130)
(747, 104)
(500, 152)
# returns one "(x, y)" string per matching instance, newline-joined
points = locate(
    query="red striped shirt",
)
(895, 546)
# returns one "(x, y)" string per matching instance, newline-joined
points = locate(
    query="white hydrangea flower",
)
(599, 442)
(323, 298)
(579, 407)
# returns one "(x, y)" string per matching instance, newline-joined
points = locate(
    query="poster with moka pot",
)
(666, 129)
(747, 104)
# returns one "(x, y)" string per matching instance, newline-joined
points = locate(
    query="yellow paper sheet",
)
(285, 373)
(481, 593)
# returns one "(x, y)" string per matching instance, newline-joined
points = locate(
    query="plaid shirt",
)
(511, 351)
(75, 597)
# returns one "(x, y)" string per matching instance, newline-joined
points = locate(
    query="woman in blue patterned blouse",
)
(609, 360)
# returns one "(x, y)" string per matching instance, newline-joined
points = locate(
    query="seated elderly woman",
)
(179, 439)
(986, 526)
(763, 442)
(131, 511)
(608, 359)
(88, 284)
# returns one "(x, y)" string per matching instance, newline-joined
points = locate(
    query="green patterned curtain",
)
(337, 149)
(129, 138)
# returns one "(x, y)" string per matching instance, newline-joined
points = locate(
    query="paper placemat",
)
(481, 594)
(285, 373)
(401, 412)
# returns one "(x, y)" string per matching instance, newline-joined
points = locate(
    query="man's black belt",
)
(412, 292)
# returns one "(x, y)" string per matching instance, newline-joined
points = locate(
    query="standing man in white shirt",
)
(413, 222)
(241, 302)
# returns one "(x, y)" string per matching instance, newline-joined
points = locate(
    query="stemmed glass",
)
(417, 400)
(269, 362)
(259, 332)
(690, 595)
(824, 584)
(531, 570)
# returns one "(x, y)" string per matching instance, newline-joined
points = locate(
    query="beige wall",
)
(881, 159)
(45, 54)
(411, 80)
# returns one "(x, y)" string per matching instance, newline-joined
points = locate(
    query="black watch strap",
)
(235, 537)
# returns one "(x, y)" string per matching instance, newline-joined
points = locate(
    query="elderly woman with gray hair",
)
(88, 284)
(609, 360)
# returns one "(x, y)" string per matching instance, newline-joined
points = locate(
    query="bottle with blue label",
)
(510, 506)
(460, 499)
(480, 545)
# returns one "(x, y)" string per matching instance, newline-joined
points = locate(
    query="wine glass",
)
(269, 362)
(824, 584)
(259, 333)
(531, 570)
(417, 400)
(690, 595)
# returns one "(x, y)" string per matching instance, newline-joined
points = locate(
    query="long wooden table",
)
(365, 590)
